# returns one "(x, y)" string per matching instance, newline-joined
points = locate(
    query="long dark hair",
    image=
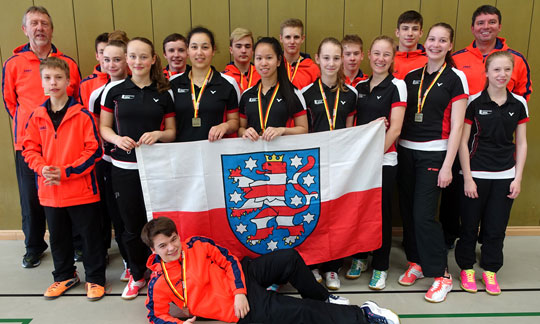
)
(156, 71)
(285, 86)
(448, 58)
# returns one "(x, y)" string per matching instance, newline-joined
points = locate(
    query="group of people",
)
(79, 137)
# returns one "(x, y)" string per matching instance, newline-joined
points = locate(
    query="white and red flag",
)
(318, 193)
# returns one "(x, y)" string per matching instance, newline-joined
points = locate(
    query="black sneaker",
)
(77, 256)
(376, 314)
(31, 260)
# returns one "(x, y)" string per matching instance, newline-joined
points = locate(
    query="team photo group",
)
(454, 149)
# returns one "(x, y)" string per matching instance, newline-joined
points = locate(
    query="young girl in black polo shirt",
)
(132, 114)
(436, 102)
(382, 96)
(206, 101)
(492, 166)
(267, 108)
(331, 105)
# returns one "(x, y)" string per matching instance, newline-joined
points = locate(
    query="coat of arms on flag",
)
(272, 198)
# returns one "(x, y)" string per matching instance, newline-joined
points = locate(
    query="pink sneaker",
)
(490, 280)
(125, 275)
(132, 288)
(438, 291)
(468, 281)
(409, 277)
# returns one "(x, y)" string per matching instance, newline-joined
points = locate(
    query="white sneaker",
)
(438, 291)
(317, 275)
(332, 280)
(376, 314)
(338, 300)
(378, 280)
(132, 288)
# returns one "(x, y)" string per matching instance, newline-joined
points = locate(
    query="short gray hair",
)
(39, 9)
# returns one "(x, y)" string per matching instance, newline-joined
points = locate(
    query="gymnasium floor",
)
(21, 298)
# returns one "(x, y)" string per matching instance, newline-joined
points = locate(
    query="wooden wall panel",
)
(391, 11)
(279, 10)
(317, 12)
(214, 15)
(170, 16)
(88, 27)
(463, 27)
(364, 21)
(64, 37)
(134, 17)
(516, 22)
(11, 34)
(438, 11)
(250, 14)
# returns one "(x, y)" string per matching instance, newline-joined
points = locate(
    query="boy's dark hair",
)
(173, 38)
(161, 225)
(352, 39)
(410, 16)
(486, 9)
(101, 38)
(54, 63)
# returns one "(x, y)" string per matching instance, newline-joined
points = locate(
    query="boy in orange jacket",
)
(62, 146)
(210, 282)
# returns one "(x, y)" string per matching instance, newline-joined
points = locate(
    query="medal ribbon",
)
(249, 78)
(169, 282)
(196, 102)
(295, 69)
(422, 100)
(331, 120)
(265, 120)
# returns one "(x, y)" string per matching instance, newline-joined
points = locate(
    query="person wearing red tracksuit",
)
(241, 68)
(175, 52)
(302, 71)
(62, 146)
(206, 279)
(22, 91)
(410, 55)
(352, 58)
(98, 77)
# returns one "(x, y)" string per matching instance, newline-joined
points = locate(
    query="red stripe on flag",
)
(347, 225)
(265, 190)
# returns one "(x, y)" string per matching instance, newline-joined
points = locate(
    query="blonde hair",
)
(341, 75)
(390, 40)
(239, 33)
(54, 63)
(291, 22)
(495, 55)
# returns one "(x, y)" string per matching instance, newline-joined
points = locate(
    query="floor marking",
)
(469, 315)
(15, 320)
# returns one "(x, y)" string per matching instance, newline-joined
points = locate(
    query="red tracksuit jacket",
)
(405, 62)
(212, 278)
(91, 83)
(21, 86)
(74, 147)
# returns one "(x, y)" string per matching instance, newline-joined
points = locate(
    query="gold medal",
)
(418, 117)
(196, 122)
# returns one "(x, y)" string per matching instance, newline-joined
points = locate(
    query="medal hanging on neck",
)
(331, 119)
(291, 78)
(196, 120)
(264, 120)
(419, 115)
(248, 78)
(183, 297)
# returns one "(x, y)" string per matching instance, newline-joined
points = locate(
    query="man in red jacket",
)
(21, 86)
(62, 146)
(206, 280)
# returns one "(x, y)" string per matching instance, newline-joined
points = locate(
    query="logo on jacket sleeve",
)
(272, 198)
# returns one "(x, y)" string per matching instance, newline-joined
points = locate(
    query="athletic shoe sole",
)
(467, 290)
(492, 293)
(352, 277)
(54, 297)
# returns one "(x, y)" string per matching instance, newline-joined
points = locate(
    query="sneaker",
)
(413, 272)
(332, 280)
(125, 275)
(58, 288)
(317, 275)
(94, 291)
(273, 287)
(338, 300)
(490, 280)
(376, 314)
(438, 291)
(132, 288)
(31, 260)
(468, 281)
(357, 266)
(77, 255)
(378, 280)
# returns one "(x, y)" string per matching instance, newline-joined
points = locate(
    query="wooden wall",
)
(78, 22)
